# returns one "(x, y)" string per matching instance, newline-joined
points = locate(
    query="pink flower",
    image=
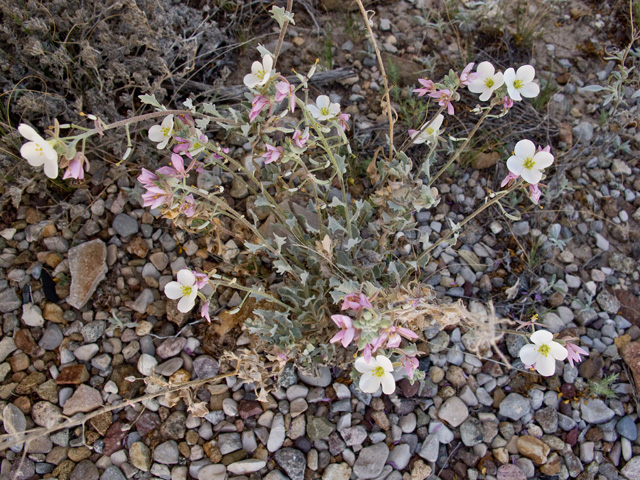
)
(201, 279)
(356, 301)
(466, 77)
(258, 102)
(147, 178)
(272, 154)
(392, 336)
(283, 90)
(219, 157)
(428, 85)
(204, 311)
(188, 208)
(508, 178)
(410, 364)
(155, 197)
(300, 138)
(347, 334)
(508, 103)
(534, 193)
(76, 167)
(545, 149)
(574, 353)
(366, 353)
(444, 99)
(343, 118)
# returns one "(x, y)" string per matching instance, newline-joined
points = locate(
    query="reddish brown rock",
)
(113, 440)
(88, 267)
(83, 400)
(249, 408)
(138, 247)
(73, 375)
(629, 306)
(631, 355)
(533, 448)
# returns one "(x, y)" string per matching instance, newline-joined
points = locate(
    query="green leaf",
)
(150, 100)
(334, 225)
(281, 267)
(280, 241)
(352, 242)
(261, 201)
(210, 108)
(189, 104)
(340, 161)
(281, 15)
(253, 247)
(336, 202)
(591, 88)
(263, 51)
(202, 123)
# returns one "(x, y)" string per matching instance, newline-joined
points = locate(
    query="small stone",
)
(627, 428)
(87, 267)
(112, 473)
(471, 432)
(140, 456)
(125, 225)
(420, 471)
(453, 411)
(371, 461)
(46, 414)
(85, 353)
(534, 449)
(72, 375)
(514, 406)
(510, 472)
(160, 260)
(205, 367)
(51, 338)
(337, 471)
(84, 399)
(85, 470)
(292, 461)
(167, 453)
(430, 448)
(595, 411)
(277, 435)
(13, 419)
(32, 315)
(321, 379)
(9, 300)
(547, 418)
(147, 364)
(245, 467)
(171, 347)
(174, 426)
(608, 302)
(632, 469)
(7, 347)
(400, 456)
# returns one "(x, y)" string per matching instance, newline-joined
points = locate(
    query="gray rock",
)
(244, 467)
(627, 428)
(93, 331)
(514, 406)
(7, 347)
(13, 419)
(430, 448)
(32, 315)
(141, 303)
(632, 469)
(229, 442)
(471, 432)
(277, 434)
(292, 461)
(9, 300)
(596, 411)
(321, 379)
(124, 225)
(167, 453)
(354, 435)
(453, 411)
(583, 132)
(51, 338)
(371, 461)
(608, 302)
(112, 473)
(337, 471)
(85, 470)
(319, 428)
(205, 367)
(521, 228)
(547, 418)
(22, 469)
(171, 347)
(56, 244)
(400, 456)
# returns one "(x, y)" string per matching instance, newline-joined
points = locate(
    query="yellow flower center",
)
(260, 74)
(544, 350)
(165, 131)
(186, 290)
(489, 82)
(324, 111)
(518, 84)
(529, 163)
(430, 130)
(378, 372)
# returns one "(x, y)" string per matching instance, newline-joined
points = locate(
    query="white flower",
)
(260, 72)
(324, 109)
(520, 84)
(38, 151)
(429, 134)
(488, 80)
(379, 371)
(528, 163)
(185, 289)
(162, 133)
(544, 352)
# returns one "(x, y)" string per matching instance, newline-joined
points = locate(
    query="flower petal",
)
(526, 73)
(250, 80)
(514, 93)
(186, 277)
(186, 304)
(525, 149)
(541, 337)
(323, 101)
(558, 351)
(369, 383)
(486, 95)
(515, 165)
(348, 337)
(385, 363)
(546, 366)
(173, 290)
(529, 354)
(267, 63)
(509, 76)
(477, 86)
(32, 153)
(337, 337)
(531, 176)
(543, 160)
(29, 132)
(486, 69)
(315, 111)
(388, 384)
(51, 168)
(362, 366)
(530, 90)
(498, 80)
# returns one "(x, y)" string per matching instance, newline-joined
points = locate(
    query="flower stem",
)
(282, 32)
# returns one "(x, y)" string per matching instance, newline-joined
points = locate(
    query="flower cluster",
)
(528, 162)
(543, 352)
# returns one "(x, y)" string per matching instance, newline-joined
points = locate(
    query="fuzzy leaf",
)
(340, 161)
(150, 100)
(281, 15)
(334, 225)
(253, 247)
(202, 123)
(280, 241)
(261, 201)
(281, 267)
(591, 88)
(263, 51)
(336, 202)
(189, 104)
(352, 242)
(210, 108)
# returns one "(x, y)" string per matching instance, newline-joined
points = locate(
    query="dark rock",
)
(292, 461)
